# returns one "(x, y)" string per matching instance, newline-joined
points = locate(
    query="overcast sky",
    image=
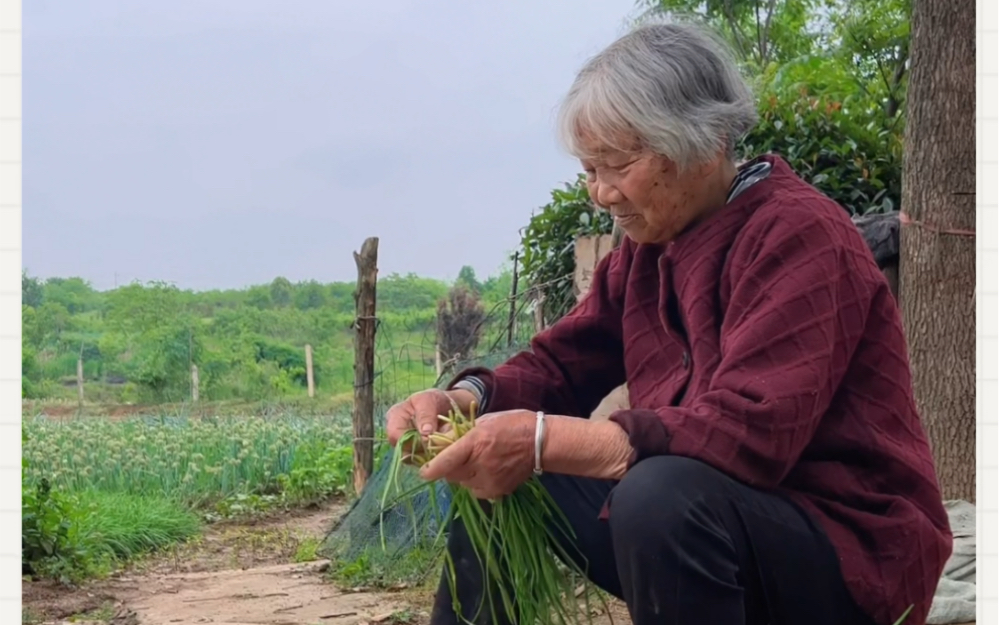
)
(221, 143)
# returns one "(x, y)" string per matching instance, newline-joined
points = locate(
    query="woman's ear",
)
(707, 168)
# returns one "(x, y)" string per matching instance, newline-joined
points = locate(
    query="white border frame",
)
(10, 323)
(10, 308)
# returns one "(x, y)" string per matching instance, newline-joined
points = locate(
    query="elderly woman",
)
(772, 467)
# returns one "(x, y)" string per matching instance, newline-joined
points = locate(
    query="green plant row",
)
(98, 492)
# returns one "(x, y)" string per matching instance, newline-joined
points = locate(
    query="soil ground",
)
(235, 574)
(238, 574)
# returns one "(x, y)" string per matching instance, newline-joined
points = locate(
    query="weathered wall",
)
(589, 252)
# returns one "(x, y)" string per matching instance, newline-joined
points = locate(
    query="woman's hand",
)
(420, 412)
(497, 455)
(492, 459)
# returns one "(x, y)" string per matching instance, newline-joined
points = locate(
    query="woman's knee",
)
(660, 494)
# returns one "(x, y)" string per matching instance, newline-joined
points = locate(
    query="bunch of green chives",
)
(517, 541)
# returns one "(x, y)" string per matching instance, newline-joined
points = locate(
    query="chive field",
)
(102, 490)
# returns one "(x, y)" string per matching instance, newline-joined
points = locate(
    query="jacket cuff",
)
(646, 433)
(486, 379)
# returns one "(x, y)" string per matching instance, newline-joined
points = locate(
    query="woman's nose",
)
(606, 195)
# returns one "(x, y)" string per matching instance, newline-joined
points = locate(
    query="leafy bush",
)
(289, 359)
(29, 371)
(50, 537)
(835, 137)
(318, 470)
(548, 244)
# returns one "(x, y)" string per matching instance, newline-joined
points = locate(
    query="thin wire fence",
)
(396, 544)
(407, 362)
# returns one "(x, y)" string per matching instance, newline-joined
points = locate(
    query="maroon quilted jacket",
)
(766, 343)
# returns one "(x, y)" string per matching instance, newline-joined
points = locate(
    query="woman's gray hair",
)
(674, 88)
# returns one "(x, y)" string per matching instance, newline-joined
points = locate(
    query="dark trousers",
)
(684, 545)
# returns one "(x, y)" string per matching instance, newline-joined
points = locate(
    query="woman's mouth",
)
(624, 220)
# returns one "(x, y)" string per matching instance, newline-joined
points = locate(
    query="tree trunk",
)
(937, 256)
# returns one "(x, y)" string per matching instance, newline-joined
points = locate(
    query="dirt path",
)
(281, 594)
(261, 573)
(233, 575)
(237, 574)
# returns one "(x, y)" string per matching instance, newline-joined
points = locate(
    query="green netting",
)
(399, 544)
(402, 543)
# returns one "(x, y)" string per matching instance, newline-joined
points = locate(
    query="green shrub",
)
(29, 372)
(318, 470)
(841, 148)
(51, 544)
(547, 244)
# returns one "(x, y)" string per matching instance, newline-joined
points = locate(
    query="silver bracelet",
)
(539, 438)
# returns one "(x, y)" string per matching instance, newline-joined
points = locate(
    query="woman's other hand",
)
(492, 459)
(497, 455)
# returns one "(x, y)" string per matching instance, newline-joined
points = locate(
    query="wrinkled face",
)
(647, 196)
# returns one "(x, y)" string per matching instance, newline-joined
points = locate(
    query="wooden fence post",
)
(309, 379)
(539, 310)
(364, 362)
(195, 383)
(79, 378)
(511, 327)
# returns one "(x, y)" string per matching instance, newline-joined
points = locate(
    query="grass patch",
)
(306, 551)
(123, 526)
(372, 569)
(71, 537)
(30, 616)
(103, 614)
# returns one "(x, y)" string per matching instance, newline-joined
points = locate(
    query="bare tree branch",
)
(759, 32)
(766, 32)
(733, 23)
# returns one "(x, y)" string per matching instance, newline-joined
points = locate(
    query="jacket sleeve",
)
(800, 294)
(573, 364)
